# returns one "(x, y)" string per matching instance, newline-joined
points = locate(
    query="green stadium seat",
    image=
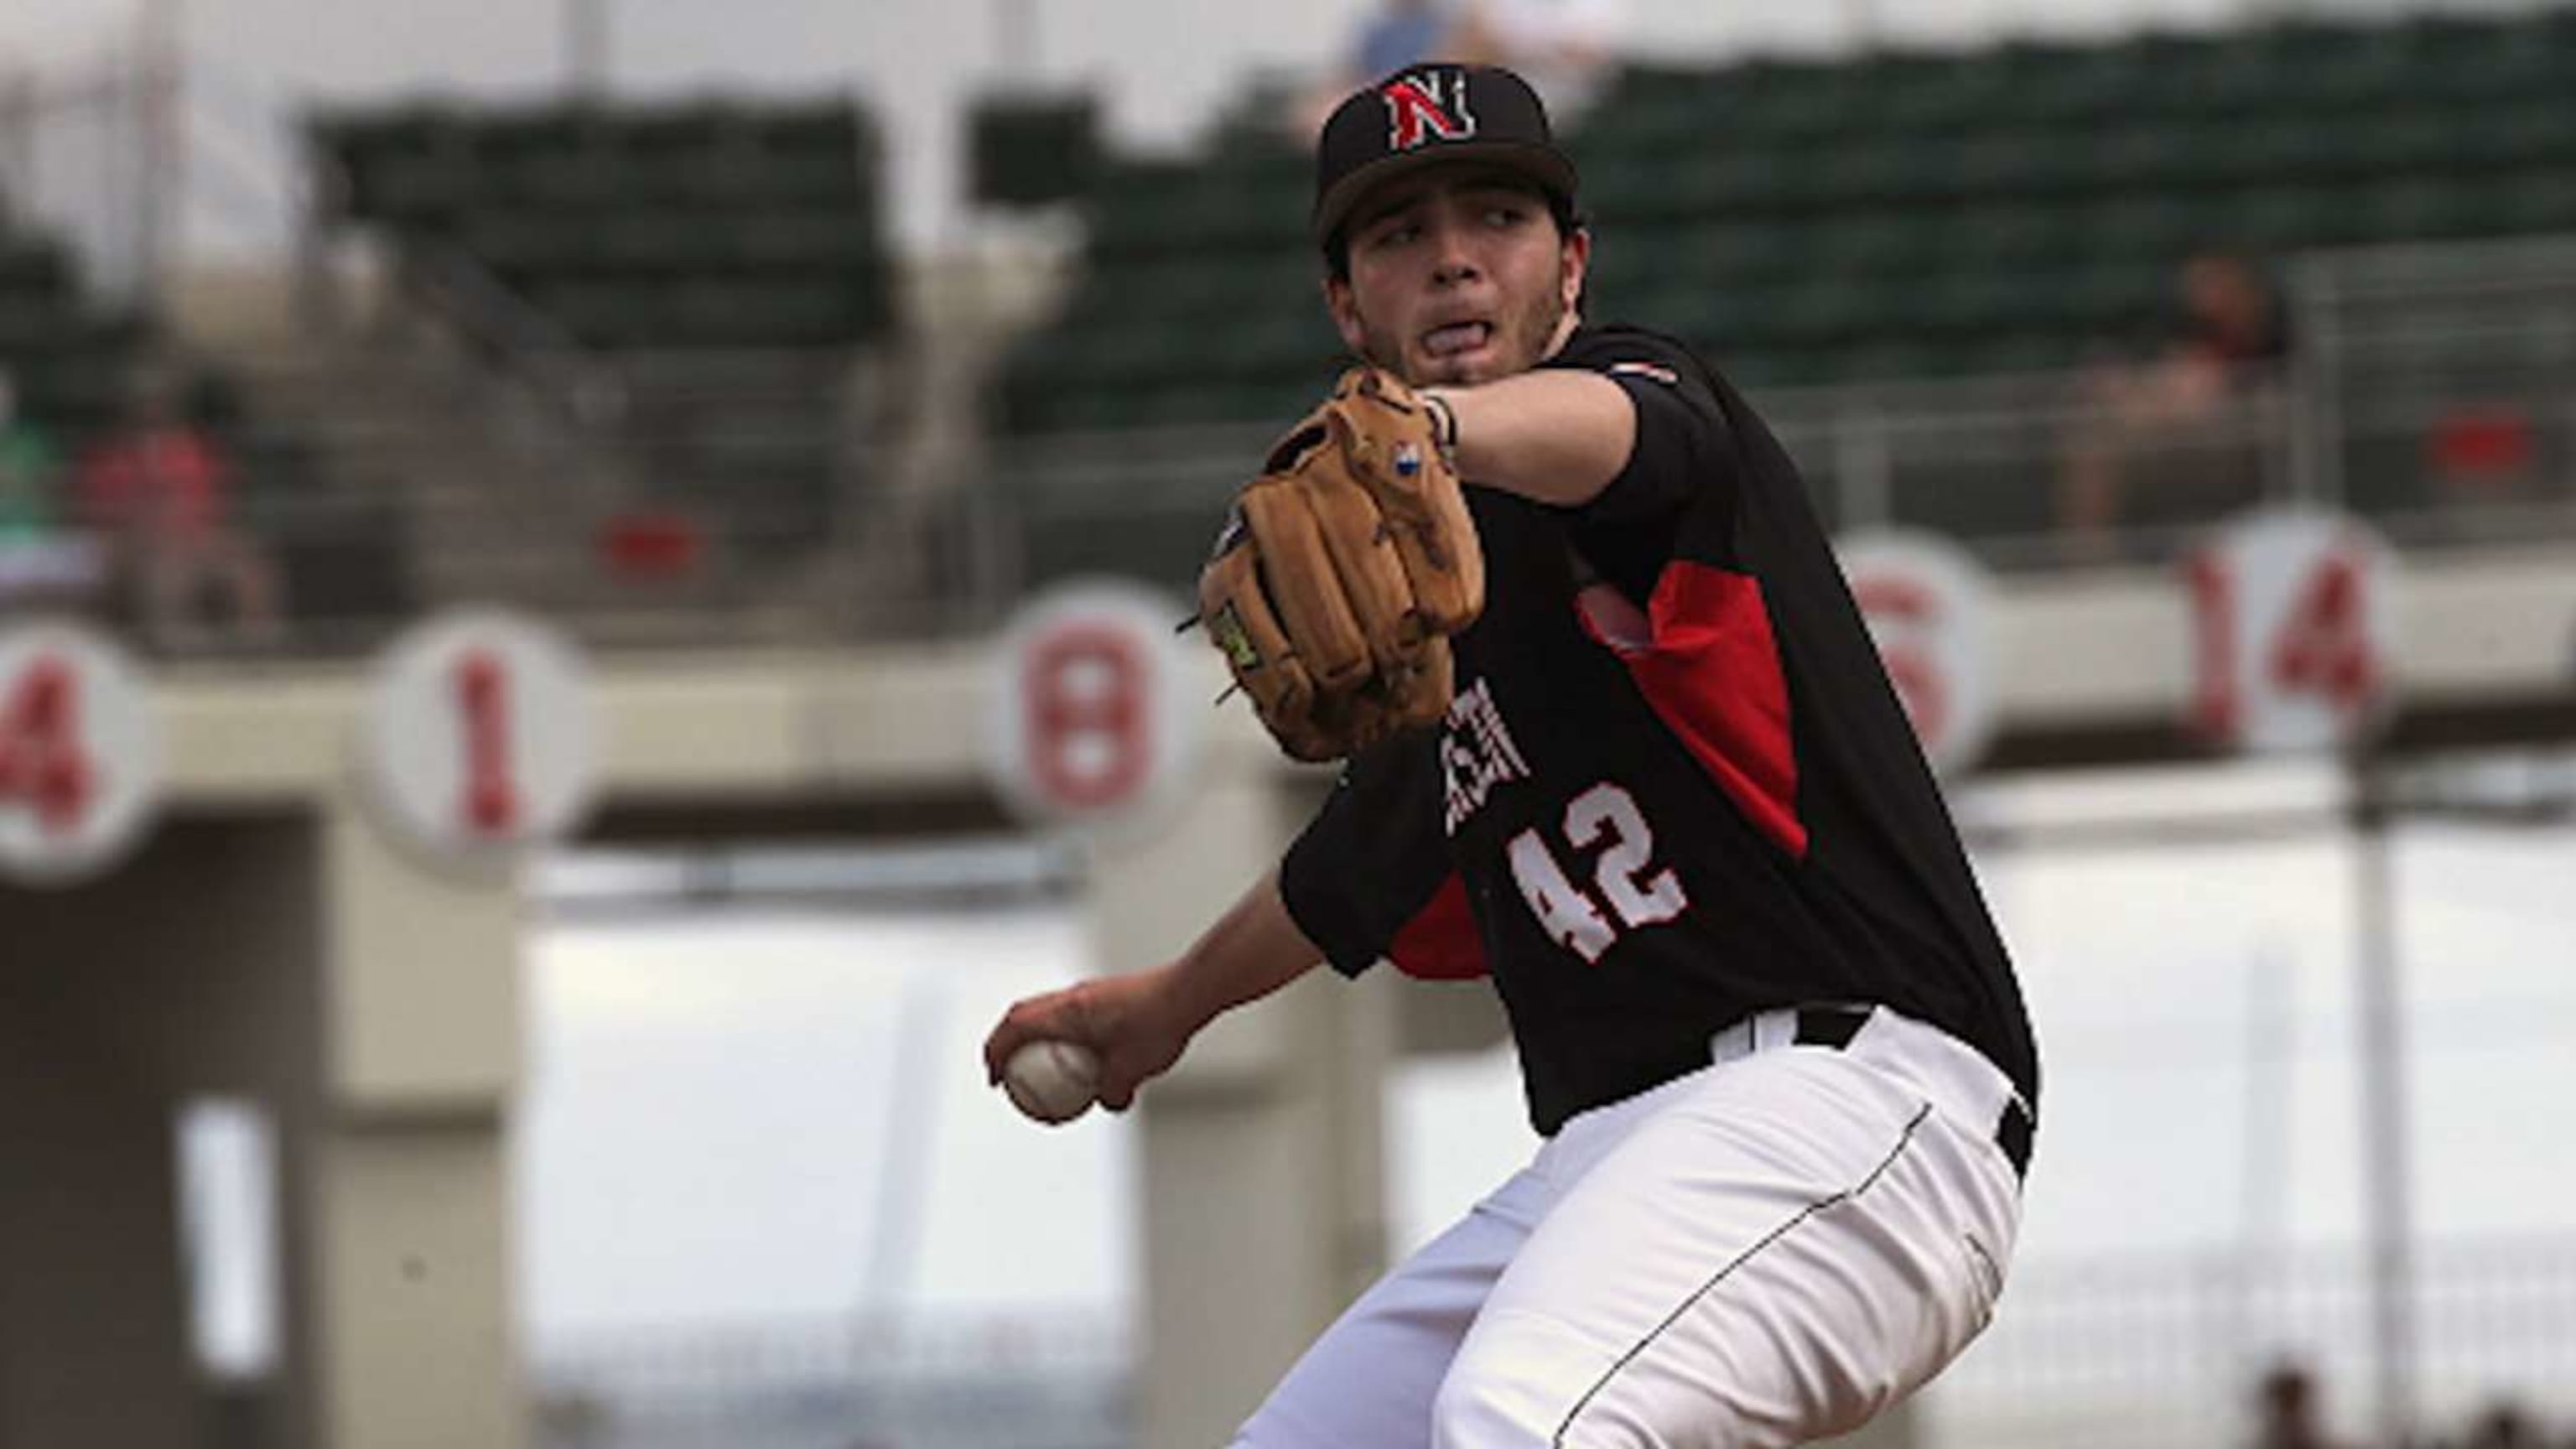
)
(2541, 202)
(504, 139)
(521, 243)
(1870, 244)
(2154, 156)
(1029, 150)
(2029, 165)
(2522, 133)
(30, 325)
(1630, 121)
(654, 242)
(558, 178)
(2002, 235)
(2279, 219)
(1878, 173)
(2356, 69)
(1772, 102)
(782, 312)
(1918, 95)
(791, 239)
(33, 267)
(420, 191)
(2429, 209)
(2018, 208)
(817, 128)
(2057, 85)
(2465, 59)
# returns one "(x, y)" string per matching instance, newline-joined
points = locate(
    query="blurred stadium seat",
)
(605, 216)
(2016, 207)
(694, 284)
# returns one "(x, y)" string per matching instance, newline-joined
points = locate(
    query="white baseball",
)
(1053, 1081)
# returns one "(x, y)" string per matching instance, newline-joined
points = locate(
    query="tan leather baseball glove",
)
(1342, 571)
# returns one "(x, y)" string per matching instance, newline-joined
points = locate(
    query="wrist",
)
(1444, 421)
(1185, 997)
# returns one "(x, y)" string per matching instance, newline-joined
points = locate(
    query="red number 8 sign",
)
(79, 754)
(1087, 691)
(1091, 723)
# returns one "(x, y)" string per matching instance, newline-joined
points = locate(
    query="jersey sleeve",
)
(1370, 878)
(1681, 450)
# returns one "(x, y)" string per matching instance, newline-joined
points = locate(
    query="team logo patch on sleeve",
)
(1655, 370)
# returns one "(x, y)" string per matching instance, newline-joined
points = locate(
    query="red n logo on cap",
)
(1416, 109)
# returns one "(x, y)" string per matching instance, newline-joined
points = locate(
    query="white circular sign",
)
(481, 733)
(2294, 629)
(1929, 607)
(80, 754)
(1093, 722)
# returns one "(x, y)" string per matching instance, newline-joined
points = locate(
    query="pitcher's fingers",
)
(1025, 1022)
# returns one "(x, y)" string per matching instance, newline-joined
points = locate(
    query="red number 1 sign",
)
(481, 733)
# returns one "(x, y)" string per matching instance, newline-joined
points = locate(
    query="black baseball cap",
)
(1426, 114)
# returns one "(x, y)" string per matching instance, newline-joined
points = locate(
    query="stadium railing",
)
(2429, 393)
(2134, 1351)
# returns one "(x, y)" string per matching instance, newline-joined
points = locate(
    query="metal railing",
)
(518, 342)
(1020, 1381)
(2166, 1350)
(2144, 1352)
(809, 517)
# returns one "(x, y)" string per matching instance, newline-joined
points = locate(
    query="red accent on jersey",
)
(1713, 677)
(1440, 942)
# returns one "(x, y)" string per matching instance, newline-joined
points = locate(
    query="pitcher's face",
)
(1457, 275)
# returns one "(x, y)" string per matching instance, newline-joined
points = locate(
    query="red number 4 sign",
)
(44, 763)
(2294, 624)
(78, 753)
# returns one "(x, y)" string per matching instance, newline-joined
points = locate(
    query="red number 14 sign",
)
(2294, 632)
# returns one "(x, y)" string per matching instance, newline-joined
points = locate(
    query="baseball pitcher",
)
(1615, 738)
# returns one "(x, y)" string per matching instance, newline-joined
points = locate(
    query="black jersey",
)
(1675, 787)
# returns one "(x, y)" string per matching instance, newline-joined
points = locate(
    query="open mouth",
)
(1456, 338)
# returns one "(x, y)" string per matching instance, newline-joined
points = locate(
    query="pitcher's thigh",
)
(1713, 1286)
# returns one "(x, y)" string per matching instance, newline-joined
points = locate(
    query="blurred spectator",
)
(2178, 424)
(1397, 34)
(1564, 48)
(26, 473)
(2504, 1427)
(160, 493)
(2287, 1403)
(41, 565)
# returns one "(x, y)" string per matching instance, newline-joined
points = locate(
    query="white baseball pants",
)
(1767, 1251)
